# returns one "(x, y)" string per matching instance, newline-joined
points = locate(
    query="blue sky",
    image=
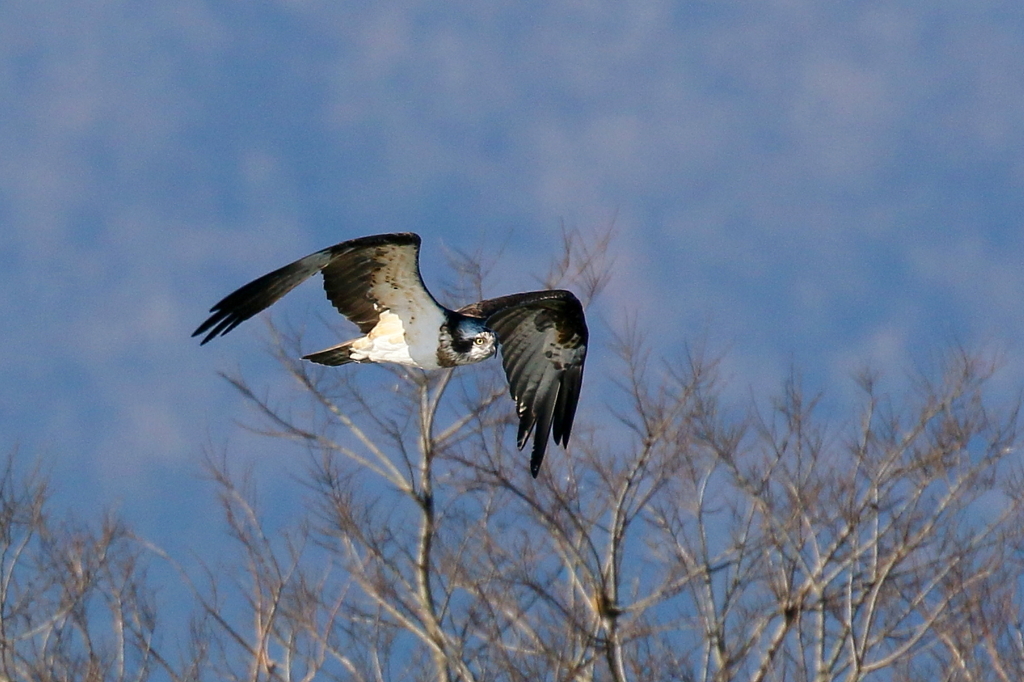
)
(823, 185)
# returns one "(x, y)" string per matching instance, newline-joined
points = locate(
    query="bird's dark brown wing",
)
(378, 274)
(362, 277)
(543, 336)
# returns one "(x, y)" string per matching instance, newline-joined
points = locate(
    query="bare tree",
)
(74, 600)
(679, 538)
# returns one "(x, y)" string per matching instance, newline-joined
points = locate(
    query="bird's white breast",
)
(412, 343)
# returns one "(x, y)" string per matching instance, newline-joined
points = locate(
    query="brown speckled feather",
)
(361, 276)
(543, 337)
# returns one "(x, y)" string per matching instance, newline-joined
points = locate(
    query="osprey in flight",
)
(375, 282)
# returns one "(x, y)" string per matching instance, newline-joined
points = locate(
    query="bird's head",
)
(471, 340)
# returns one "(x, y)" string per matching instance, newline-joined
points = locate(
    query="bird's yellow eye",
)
(479, 340)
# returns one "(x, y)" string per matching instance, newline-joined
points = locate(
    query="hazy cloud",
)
(816, 184)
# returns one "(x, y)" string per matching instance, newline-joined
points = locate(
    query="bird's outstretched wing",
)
(362, 278)
(543, 337)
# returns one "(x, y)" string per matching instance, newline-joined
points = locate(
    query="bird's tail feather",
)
(333, 356)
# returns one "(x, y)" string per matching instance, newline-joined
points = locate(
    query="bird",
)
(375, 282)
